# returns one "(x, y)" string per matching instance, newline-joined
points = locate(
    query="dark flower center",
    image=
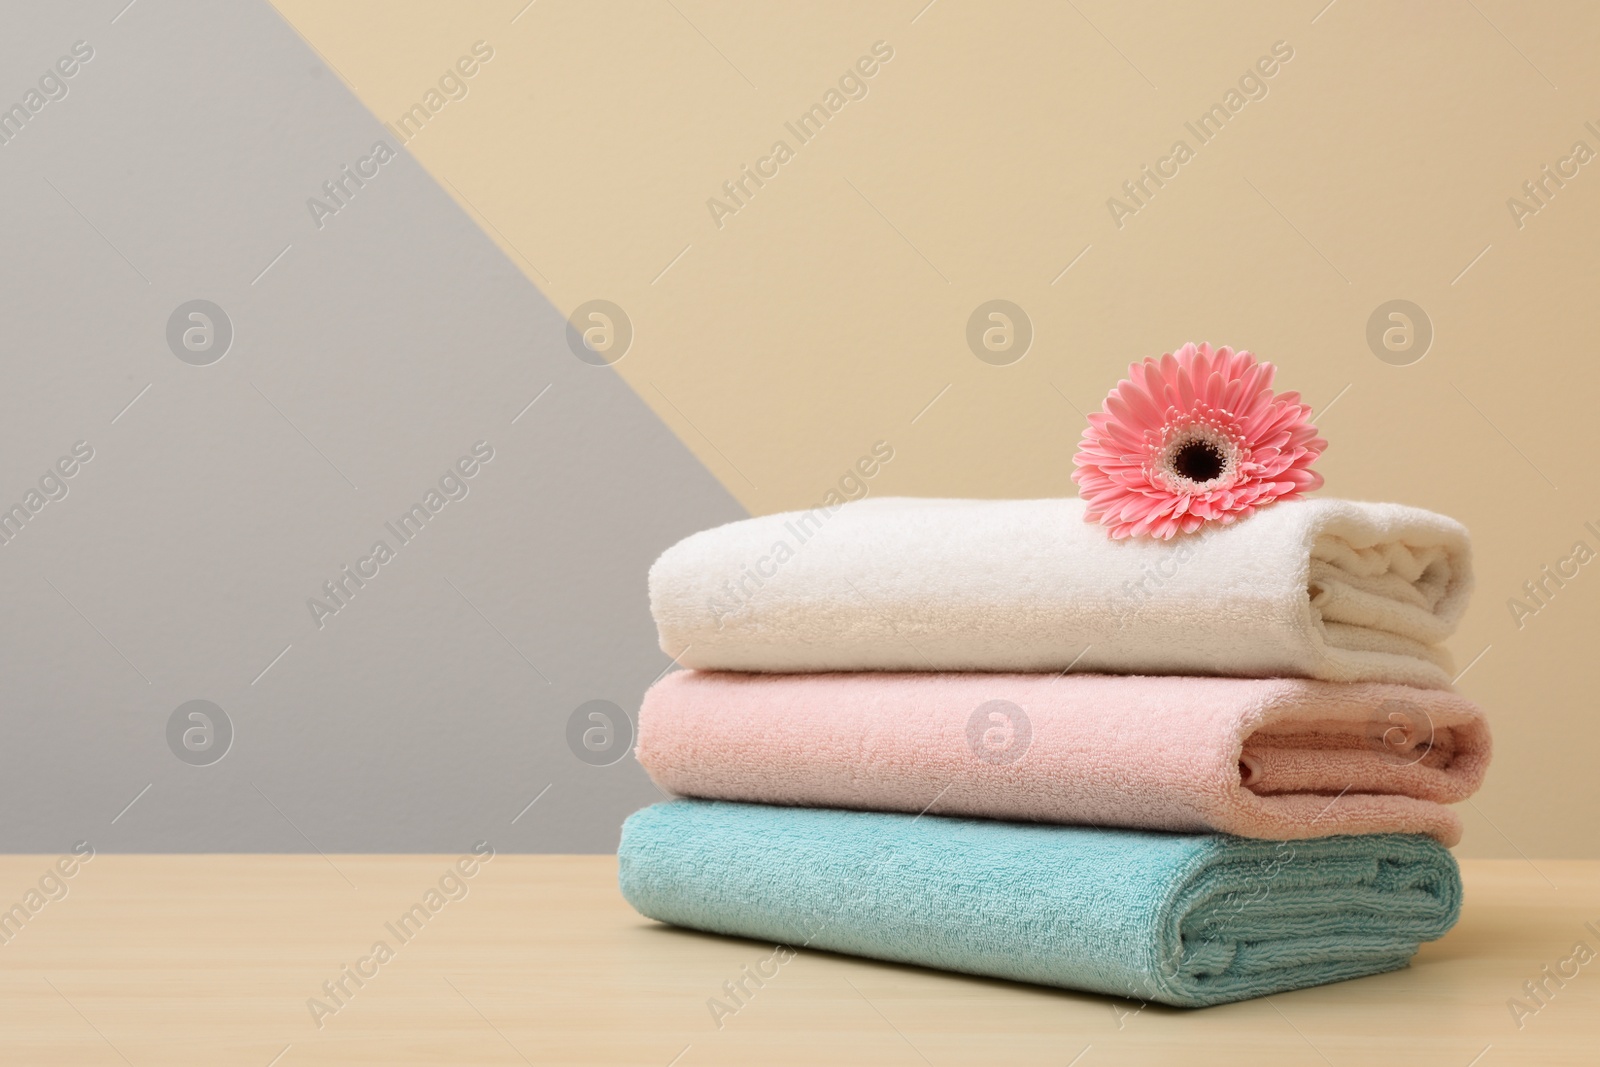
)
(1198, 461)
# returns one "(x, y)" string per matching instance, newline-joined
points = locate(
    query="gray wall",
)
(435, 704)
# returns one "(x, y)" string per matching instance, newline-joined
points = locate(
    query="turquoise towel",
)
(1181, 919)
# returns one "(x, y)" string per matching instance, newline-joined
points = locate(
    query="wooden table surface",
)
(172, 960)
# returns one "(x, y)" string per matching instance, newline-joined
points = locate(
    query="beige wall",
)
(831, 309)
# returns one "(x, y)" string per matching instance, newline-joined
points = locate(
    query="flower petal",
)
(1119, 466)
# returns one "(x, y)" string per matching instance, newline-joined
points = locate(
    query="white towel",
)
(1312, 588)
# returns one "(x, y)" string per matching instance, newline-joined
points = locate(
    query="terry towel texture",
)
(1267, 758)
(1329, 589)
(1180, 919)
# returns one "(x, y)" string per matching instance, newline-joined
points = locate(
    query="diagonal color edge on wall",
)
(390, 379)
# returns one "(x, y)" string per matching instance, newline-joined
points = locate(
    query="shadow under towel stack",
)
(982, 736)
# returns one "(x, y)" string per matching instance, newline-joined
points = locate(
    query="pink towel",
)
(1268, 758)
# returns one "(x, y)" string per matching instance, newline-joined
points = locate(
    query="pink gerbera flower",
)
(1197, 436)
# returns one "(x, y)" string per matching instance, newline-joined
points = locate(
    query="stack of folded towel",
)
(982, 736)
